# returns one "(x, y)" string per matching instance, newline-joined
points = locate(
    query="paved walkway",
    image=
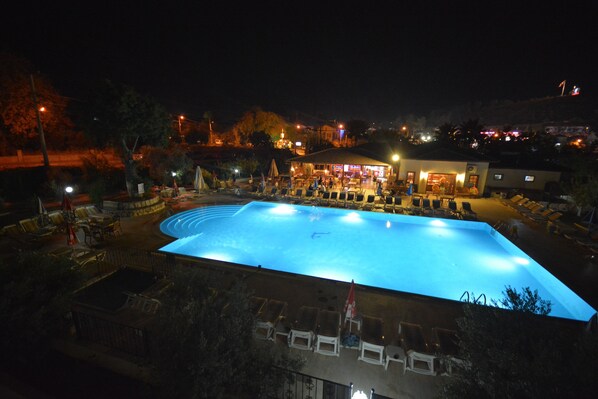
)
(561, 257)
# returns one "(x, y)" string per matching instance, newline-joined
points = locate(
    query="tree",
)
(18, 122)
(203, 340)
(357, 128)
(512, 350)
(162, 162)
(468, 134)
(257, 120)
(118, 116)
(260, 139)
(35, 295)
(446, 132)
(583, 186)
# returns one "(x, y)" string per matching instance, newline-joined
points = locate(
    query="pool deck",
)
(569, 262)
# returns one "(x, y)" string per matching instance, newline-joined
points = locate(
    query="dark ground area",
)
(64, 377)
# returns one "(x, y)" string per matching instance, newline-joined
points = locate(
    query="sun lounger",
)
(31, 228)
(446, 344)
(301, 335)
(419, 358)
(350, 199)
(398, 204)
(257, 304)
(341, 199)
(467, 213)
(328, 333)
(359, 201)
(371, 345)
(389, 204)
(268, 318)
(370, 203)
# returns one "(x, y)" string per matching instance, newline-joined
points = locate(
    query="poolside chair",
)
(301, 335)
(415, 207)
(427, 207)
(371, 344)
(540, 216)
(309, 197)
(81, 213)
(419, 357)
(328, 335)
(272, 193)
(389, 205)
(20, 241)
(333, 198)
(257, 304)
(268, 318)
(57, 220)
(446, 346)
(283, 195)
(358, 202)
(350, 199)
(398, 204)
(325, 199)
(341, 200)
(370, 202)
(298, 196)
(33, 230)
(467, 213)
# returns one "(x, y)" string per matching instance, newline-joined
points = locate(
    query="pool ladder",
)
(477, 301)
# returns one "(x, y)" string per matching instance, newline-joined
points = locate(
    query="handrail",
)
(464, 294)
(477, 300)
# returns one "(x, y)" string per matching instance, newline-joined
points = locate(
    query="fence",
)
(114, 335)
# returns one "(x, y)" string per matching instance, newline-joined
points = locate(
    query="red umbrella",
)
(71, 238)
(350, 308)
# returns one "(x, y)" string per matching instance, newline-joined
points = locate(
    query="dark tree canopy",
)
(204, 345)
(520, 353)
(35, 294)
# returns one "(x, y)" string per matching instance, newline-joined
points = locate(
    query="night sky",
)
(372, 60)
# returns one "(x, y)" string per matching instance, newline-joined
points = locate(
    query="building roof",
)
(345, 156)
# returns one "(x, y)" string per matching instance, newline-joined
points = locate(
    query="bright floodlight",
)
(68, 189)
(359, 395)
(395, 157)
(173, 174)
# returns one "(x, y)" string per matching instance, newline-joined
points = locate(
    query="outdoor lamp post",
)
(181, 117)
(396, 159)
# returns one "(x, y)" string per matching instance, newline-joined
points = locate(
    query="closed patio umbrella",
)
(42, 213)
(410, 190)
(273, 172)
(199, 183)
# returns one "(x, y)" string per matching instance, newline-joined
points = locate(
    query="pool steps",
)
(187, 223)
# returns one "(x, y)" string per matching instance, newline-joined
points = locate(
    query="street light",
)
(181, 117)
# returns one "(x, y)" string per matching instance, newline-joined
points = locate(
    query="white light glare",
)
(521, 261)
(283, 209)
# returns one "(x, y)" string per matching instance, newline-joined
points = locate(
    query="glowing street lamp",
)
(181, 117)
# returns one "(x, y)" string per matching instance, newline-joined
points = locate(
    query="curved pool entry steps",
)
(187, 223)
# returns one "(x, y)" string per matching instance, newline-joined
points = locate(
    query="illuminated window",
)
(498, 176)
(410, 177)
(530, 178)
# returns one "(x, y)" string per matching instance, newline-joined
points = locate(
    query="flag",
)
(350, 308)
(562, 83)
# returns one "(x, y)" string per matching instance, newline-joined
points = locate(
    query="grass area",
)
(108, 292)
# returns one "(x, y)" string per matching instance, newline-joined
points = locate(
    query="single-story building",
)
(429, 168)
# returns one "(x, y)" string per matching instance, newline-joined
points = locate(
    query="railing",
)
(465, 297)
(114, 335)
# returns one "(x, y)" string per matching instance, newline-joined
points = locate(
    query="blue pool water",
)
(435, 257)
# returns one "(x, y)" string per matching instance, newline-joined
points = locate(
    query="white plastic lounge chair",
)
(446, 344)
(328, 335)
(419, 358)
(301, 335)
(268, 318)
(371, 345)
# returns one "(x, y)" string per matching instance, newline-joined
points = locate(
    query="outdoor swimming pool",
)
(435, 257)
